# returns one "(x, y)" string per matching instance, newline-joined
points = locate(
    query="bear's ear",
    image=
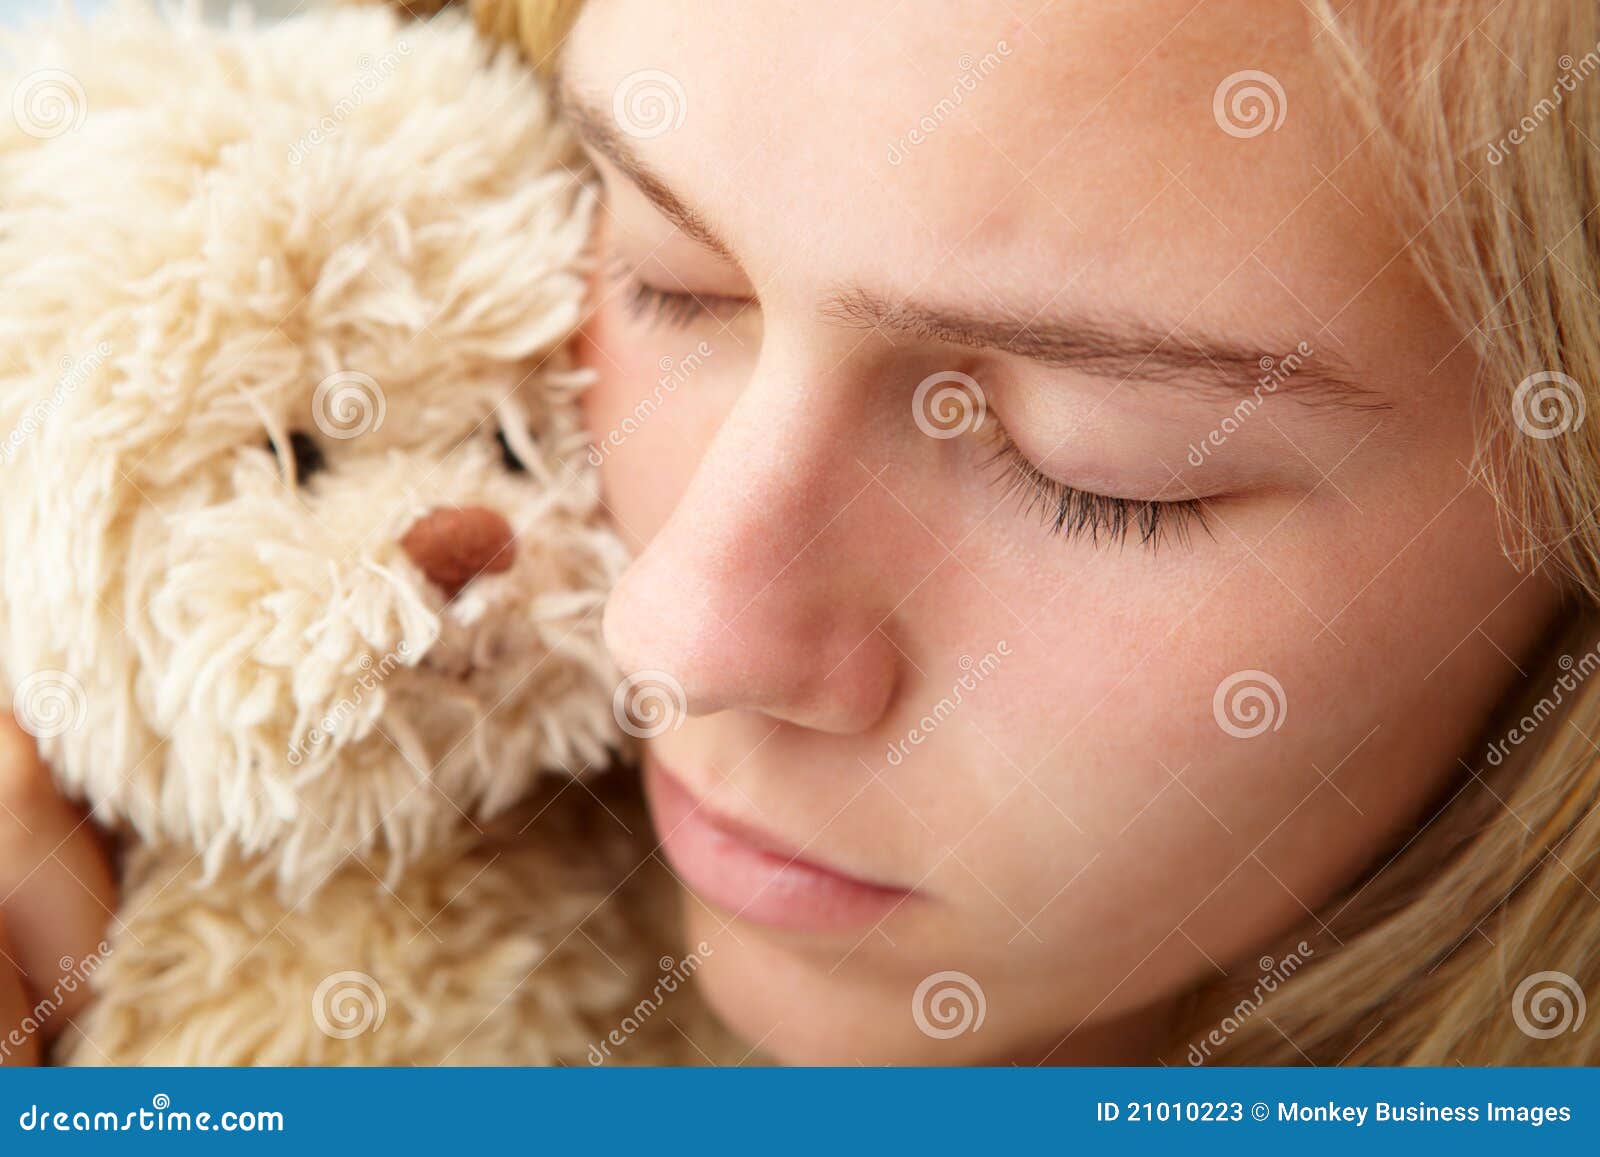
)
(60, 72)
(42, 99)
(535, 27)
(41, 94)
(421, 8)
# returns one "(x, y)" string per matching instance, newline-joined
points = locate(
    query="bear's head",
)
(301, 553)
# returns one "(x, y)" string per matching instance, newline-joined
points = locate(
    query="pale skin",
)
(1081, 836)
(56, 897)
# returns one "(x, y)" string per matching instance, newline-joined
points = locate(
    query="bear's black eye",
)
(508, 455)
(308, 459)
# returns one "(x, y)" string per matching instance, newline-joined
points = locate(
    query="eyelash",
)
(1076, 514)
(662, 306)
(1066, 511)
(670, 308)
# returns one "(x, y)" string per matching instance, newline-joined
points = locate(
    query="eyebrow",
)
(597, 131)
(1125, 349)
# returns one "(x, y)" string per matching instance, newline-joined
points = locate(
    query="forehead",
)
(1050, 150)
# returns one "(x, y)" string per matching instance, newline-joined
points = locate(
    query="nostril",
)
(454, 544)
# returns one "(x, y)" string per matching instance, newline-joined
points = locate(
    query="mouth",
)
(754, 876)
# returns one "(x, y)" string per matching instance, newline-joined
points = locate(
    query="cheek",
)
(1132, 773)
(632, 412)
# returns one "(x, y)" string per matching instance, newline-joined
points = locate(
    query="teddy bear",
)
(302, 558)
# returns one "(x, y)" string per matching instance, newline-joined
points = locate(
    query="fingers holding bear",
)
(18, 1048)
(57, 893)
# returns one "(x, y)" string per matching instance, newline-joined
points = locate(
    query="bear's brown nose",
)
(453, 544)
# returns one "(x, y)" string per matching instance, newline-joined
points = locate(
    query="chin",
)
(796, 1004)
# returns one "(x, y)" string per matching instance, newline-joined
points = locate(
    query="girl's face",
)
(1058, 555)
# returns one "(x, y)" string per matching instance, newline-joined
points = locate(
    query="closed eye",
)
(1074, 514)
(673, 308)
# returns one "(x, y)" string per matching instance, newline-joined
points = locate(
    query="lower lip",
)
(726, 870)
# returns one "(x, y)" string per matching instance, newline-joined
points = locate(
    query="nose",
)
(767, 588)
(452, 545)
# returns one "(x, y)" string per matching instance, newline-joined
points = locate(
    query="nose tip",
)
(454, 544)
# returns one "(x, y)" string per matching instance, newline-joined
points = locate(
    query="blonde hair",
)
(1477, 940)
(536, 27)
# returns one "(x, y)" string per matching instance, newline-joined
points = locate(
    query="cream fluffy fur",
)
(365, 232)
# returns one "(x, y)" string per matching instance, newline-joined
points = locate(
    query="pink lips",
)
(753, 876)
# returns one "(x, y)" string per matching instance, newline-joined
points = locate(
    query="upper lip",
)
(764, 841)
